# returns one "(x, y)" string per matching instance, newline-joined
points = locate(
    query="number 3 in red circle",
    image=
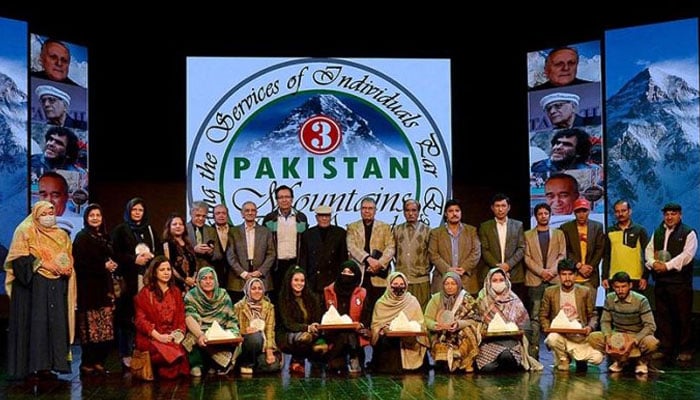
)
(320, 135)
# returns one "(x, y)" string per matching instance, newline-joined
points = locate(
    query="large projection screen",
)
(335, 130)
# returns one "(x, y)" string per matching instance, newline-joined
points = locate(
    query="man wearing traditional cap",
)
(571, 149)
(412, 240)
(55, 104)
(669, 256)
(585, 244)
(323, 250)
(561, 110)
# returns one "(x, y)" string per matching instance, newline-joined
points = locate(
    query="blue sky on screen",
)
(671, 45)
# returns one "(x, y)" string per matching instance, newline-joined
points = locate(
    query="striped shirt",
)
(631, 315)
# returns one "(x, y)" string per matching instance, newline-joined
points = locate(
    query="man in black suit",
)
(323, 250)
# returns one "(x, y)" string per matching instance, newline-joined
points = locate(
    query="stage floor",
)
(674, 382)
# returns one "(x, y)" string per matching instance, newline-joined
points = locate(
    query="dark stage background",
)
(137, 79)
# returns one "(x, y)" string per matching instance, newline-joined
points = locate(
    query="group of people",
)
(271, 283)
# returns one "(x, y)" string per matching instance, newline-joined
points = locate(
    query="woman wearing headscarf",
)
(129, 241)
(452, 318)
(42, 289)
(505, 353)
(205, 304)
(160, 320)
(346, 295)
(388, 351)
(92, 252)
(179, 250)
(298, 320)
(256, 318)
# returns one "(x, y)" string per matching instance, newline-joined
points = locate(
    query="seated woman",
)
(298, 320)
(179, 250)
(204, 304)
(503, 353)
(256, 316)
(388, 351)
(452, 318)
(160, 320)
(348, 298)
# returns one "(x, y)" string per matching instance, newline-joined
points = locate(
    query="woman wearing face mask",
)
(256, 316)
(453, 319)
(394, 354)
(506, 353)
(42, 289)
(92, 251)
(348, 298)
(299, 317)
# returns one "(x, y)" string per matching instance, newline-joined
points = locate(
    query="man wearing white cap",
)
(561, 110)
(55, 104)
(323, 250)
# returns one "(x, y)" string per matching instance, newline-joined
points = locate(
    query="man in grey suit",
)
(455, 247)
(585, 244)
(544, 248)
(252, 254)
(202, 236)
(503, 244)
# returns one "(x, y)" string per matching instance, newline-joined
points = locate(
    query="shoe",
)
(100, 369)
(296, 368)
(196, 371)
(225, 371)
(246, 371)
(615, 367)
(211, 371)
(641, 367)
(85, 370)
(581, 366)
(305, 337)
(563, 364)
(354, 366)
(126, 362)
(685, 357)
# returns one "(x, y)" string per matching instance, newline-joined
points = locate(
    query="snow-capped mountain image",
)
(13, 157)
(654, 138)
(358, 138)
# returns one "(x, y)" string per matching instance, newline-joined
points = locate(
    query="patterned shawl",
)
(255, 306)
(507, 303)
(206, 310)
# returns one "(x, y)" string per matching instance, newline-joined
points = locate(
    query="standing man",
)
(455, 247)
(371, 245)
(625, 243)
(669, 256)
(544, 248)
(287, 225)
(585, 244)
(503, 244)
(578, 304)
(202, 236)
(412, 240)
(252, 254)
(224, 240)
(323, 250)
(626, 327)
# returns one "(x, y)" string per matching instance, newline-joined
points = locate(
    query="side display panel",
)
(13, 131)
(565, 130)
(59, 128)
